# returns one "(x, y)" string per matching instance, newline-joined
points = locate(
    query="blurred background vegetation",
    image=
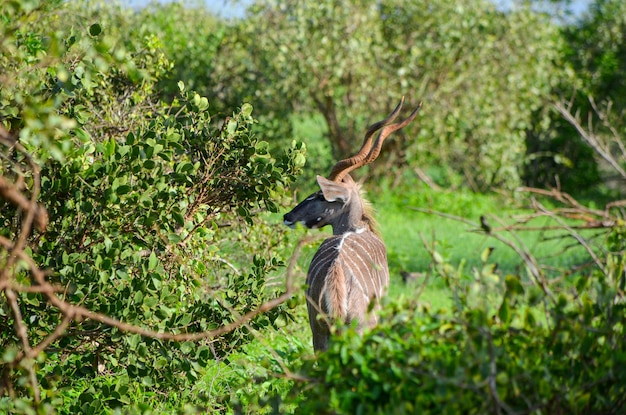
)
(168, 139)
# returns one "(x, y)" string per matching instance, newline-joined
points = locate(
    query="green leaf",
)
(484, 256)
(160, 362)
(178, 217)
(504, 313)
(246, 110)
(82, 135)
(529, 319)
(31, 299)
(184, 167)
(133, 340)
(262, 148)
(187, 347)
(123, 150)
(204, 104)
(150, 301)
(95, 29)
(138, 297)
(513, 284)
(152, 261)
(109, 148)
(231, 127)
(107, 244)
(299, 160)
(9, 354)
(437, 257)
(122, 190)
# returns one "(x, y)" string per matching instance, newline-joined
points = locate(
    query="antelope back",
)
(347, 273)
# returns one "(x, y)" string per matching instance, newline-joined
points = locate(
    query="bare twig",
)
(421, 174)
(9, 192)
(524, 254)
(587, 134)
(576, 236)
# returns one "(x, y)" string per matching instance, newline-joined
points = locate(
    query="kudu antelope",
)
(349, 270)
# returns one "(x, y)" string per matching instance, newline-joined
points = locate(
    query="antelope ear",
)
(333, 191)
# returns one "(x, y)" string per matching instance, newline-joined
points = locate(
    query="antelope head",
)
(338, 202)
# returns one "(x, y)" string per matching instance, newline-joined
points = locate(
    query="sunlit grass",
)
(406, 231)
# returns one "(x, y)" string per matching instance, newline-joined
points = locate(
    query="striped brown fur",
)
(349, 270)
(346, 274)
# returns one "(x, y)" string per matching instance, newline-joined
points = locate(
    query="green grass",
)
(405, 230)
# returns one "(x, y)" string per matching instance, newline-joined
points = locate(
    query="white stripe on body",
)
(346, 273)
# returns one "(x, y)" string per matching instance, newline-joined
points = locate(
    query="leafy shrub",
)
(518, 349)
(506, 346)
(141, 194)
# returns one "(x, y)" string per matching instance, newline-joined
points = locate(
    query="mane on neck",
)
(368, 216)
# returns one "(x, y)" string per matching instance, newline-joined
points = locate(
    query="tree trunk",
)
(340, 146)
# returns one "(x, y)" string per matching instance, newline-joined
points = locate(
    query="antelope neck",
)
(350, 221)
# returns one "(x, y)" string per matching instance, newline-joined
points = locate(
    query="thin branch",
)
(564, 198)
(9, 192)
(421, 174)
(78, 312)
(521, 251)
(590, 138)
(20, 328)
(22, 334)
(605, 121)
(493, 373)
(30, 207)
(576, 236)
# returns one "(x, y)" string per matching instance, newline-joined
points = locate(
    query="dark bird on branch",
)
(484, 224)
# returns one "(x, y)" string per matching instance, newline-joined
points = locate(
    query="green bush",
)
(141, 194)
(506, 346)
(156, 178)
(481, 73)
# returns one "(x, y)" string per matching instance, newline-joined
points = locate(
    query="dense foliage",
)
(157, 139)
(141, 195)
(481, 73)
(517, 349)
(595, 50)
